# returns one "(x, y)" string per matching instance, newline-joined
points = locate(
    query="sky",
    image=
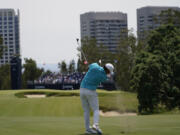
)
(49, 28)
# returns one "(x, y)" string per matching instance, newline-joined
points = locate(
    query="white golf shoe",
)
(96, 127)
(91, 131)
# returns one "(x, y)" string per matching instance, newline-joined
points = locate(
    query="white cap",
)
(110, 67)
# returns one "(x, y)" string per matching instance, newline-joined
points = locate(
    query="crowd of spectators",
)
(57, 78)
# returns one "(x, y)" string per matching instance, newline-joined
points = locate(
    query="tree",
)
(1, 47)
(105, 56)
(156, 75)
(94, 52)
(79, 65)
(165, 17)
(90, 48)
(169, 16)
(5, 81)
(149, 80)
(125, 59)
(31, 71)
(48, 72)
(63, 67)
(71, 67)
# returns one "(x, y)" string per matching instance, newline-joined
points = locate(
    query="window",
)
(150, 27)
(11, 50)
(10, 18)
(150, 16)
(10, 14)
(10, 26)
(150, 20)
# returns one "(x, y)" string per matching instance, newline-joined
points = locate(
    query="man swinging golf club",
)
(95, 75)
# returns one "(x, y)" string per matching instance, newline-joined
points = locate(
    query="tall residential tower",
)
(148, 18)
(9, 32)
(106, 27)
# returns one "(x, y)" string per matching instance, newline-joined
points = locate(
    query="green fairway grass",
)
(132, 125)
(61, 114)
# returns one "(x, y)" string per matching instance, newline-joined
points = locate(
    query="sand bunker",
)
(115, 113)
(35, 96)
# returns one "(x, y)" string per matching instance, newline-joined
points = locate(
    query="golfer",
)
(95, 75)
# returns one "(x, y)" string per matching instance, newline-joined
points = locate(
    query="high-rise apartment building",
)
(106, 27)
(148, 18)
(9, 32)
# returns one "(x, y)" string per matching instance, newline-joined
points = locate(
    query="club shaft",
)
(82, 51)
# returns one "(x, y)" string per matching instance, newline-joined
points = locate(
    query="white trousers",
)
(89, 99)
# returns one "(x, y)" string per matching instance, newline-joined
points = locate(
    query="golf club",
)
(77, 39)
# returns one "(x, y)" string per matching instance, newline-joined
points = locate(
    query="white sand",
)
(35, 96)
(114, 113)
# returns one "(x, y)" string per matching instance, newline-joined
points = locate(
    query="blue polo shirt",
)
(93, 77)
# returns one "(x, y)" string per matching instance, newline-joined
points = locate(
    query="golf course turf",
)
(61, 114)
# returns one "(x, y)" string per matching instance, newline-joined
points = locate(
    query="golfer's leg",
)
(86, 109)
(94, 103)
